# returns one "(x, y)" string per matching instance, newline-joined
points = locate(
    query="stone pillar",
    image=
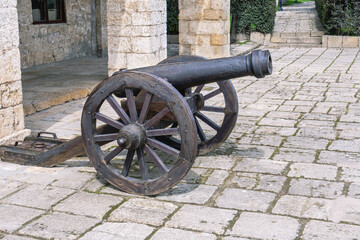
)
(11, 108)
(101, 28)
(204, 27)
(136, 33)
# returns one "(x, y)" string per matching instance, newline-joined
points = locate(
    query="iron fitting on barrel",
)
(259, 63)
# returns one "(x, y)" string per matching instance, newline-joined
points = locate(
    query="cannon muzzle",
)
(189, 74)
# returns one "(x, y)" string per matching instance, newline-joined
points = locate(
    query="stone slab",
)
(7, 187)
(143, 211)
(345, 146)
(262, 182)
(309, 170)
(316, 188)
(245, 199)
(261, 166)
(303, 207)
(295, 155)
(200, 218)
(13, 217)
(217, 177)
(59, 226)
(14, 237)
(119, 231)
(179, 234)
(264, 226)
(188, 193)
(345, 209)
(318, 230)
(354, 190)
(216, 162)
(306, 143)
(46, 196)
(350, 42)
(351, 174)
(88, 204)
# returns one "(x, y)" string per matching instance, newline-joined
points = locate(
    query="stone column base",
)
(17, 136)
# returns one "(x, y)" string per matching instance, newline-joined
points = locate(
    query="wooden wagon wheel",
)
(158, 166)
(217, 130)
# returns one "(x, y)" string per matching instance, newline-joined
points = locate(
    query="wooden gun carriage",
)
(143, 128)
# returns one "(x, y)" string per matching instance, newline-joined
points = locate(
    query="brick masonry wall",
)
(11, 108)
(136, 33)
(204, 27)
(45, 43)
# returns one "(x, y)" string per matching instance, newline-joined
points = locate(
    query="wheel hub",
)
(132, 136)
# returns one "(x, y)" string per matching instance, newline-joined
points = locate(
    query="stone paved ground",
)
(55, 83)
(290, 169)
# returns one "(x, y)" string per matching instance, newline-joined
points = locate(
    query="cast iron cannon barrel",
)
(189, 74)
(139, 111)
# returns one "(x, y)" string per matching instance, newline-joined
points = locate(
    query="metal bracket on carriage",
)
(195, 101)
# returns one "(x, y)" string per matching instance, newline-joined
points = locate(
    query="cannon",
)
(143, 128)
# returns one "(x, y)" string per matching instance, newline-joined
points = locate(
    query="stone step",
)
(294, 45)
(297, 40)
(298, 34)
(305, 40)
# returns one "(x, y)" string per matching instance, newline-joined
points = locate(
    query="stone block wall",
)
(45, 43)
(329, 41)
(204, 27)
(136, 33)
(11, 108)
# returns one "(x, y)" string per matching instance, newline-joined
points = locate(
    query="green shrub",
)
(291, 2)
(253, 15)
(340, 17)
(172, 16)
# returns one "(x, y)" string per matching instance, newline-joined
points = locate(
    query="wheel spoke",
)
(162, 132)
(106, 137)
(127, 164)
(112, 154)
(131, 104)
(156, 118)
(108, 120)
(145, 107)
(200, 131)
(199, 88)
(208, 121)
(163, 147)
(212, 94)
(155, 158)
(118, 109)
(213, 109)
(143, 168)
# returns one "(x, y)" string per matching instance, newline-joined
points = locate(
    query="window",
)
(48, 11)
